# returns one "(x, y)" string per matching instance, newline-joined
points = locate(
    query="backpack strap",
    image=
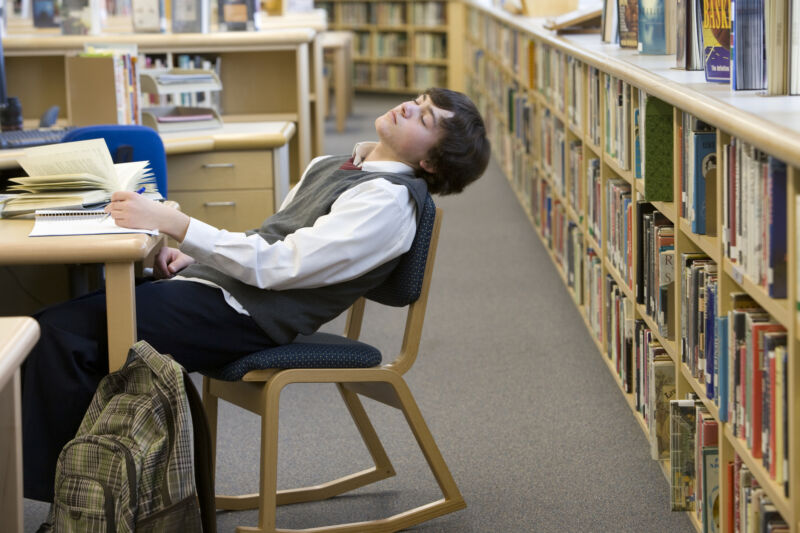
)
(203, 473)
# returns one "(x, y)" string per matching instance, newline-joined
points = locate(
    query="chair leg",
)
(383, 466)
(426, 442)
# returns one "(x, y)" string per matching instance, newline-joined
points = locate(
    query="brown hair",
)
(462, 154)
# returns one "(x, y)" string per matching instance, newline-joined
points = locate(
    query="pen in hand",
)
(140, 190)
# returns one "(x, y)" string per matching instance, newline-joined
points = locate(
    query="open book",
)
(73, 175)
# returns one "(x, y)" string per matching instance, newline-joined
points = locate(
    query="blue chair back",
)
(404, 284)
(129, 143)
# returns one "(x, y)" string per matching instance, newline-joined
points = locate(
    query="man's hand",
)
(169, 262)
(131, 210)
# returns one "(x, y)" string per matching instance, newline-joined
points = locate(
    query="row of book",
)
(750, 44)
(430, 46)
(550, 74)
(754, 215)
(617, 122)
(391, 45)
(429, 76)
(421, 13)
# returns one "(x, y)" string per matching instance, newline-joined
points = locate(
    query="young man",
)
(223, 295)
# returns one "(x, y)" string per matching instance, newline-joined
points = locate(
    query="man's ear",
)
(427, 166)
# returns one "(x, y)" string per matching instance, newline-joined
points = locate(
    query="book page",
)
(80, 157)
(129, 175)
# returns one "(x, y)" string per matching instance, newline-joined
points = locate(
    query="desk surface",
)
(231, 136)
(17, 337)
(19, 249)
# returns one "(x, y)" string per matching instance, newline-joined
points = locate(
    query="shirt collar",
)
(362, 149)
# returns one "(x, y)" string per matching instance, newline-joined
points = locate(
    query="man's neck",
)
(380, 153)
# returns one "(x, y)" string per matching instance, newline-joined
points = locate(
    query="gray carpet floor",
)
(525, 412)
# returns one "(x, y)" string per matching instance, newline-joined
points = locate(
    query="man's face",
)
(411, 129)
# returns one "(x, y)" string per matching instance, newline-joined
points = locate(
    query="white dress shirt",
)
(368, 225)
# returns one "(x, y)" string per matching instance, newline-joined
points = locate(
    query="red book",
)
(756, 396)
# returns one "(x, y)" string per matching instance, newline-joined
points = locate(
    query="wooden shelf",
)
(440, 71)
(769, 124)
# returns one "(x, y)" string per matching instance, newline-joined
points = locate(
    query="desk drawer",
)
(246, 169)
(230, 210)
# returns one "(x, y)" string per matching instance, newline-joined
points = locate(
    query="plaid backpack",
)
(133, 463)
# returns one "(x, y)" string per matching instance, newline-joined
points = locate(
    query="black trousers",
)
(188, 320)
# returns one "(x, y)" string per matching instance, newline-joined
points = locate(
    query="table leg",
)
(121, 305)
(11, 509)
(339, 87)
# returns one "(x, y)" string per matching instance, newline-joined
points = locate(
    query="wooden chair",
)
(255, 383)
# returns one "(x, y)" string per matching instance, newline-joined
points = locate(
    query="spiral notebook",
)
(50, 223)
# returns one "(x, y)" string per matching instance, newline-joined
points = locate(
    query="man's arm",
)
(368, 225)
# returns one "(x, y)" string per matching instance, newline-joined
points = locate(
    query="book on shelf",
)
(722, 385)
(681, 454)
(149, 16)
(776, 15)
(584, 20)
(748, 56)
(238, 15)
(657, 150)
(73, 175)
(689, 37)
(661, 380)
(707, 438)
(190, 16)
(777, 221)
(710, 489)
(628, 23)
(703, 178)
(609, 22)
(717, 40)
(46, 13)
(657, 32)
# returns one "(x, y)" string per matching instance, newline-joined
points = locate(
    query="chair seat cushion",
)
(320, 350)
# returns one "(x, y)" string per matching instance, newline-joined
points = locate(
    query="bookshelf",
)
(400, 46)
(565, 115)
(36, 71)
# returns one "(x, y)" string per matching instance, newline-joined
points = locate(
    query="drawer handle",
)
(219, 204)
(218, 165)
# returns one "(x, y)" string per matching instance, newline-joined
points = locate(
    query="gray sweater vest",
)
(285, 314)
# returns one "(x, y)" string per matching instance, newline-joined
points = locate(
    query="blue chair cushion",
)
(320, 350)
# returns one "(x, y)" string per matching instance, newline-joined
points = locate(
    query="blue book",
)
(722, 396)
(705, 168)
(652, 27)
(777, 261)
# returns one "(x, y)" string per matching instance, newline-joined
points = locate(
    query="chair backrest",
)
(129, 143)
(406, 286)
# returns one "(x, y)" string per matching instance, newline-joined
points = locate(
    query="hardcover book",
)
(717, 40)
(628, 23)
(662, 391)
(238, 15)
(705, 175)
(658, 150)
(681, 455)
(710, 489)
(657, 27)
(190, 16)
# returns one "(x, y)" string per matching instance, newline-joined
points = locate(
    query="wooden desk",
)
(117, 252)
(17, 336)
(246, 163)
(233, 177)
(265, 75)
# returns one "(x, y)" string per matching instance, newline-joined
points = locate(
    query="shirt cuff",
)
(197, 234)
